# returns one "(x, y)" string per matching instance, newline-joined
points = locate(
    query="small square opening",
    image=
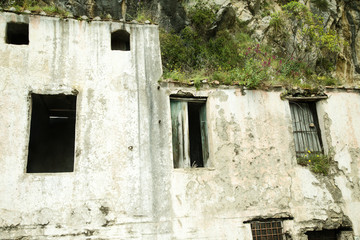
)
(17, 33)
(52, 133)
(120, 40)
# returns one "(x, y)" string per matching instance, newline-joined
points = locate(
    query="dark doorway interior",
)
(52, 133)
(323, 235)
(196, 155)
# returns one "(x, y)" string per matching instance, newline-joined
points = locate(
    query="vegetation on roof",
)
(35, 6)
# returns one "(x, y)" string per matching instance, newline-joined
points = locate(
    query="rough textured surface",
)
(124, 185)
(343, 16)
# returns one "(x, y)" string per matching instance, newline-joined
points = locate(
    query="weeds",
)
(35, 6)
(318, 163)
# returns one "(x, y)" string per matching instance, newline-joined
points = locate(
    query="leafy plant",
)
(202, 15)
(318, 163)
(276, 22)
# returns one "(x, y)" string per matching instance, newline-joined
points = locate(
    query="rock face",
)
(170, 14)
(343, 16)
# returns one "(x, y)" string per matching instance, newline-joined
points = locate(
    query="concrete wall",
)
(124, 185)
(116, 190)
(254, 172)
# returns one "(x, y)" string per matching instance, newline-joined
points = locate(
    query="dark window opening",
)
(189, 132)
(306, 128)
(323, 235)
(52, 133)
(120, 40)
(269, 230)
(17, 33)
(196, 157)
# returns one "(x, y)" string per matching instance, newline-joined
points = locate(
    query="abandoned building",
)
(94, 147)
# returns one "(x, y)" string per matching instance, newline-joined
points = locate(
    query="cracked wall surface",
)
(253, 171)
(124, 185)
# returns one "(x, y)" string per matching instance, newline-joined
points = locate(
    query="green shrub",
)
(276, 22)
(202, 15)
(223, 51)
(173, 51)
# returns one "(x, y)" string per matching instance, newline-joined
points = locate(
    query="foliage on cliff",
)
(301, 52)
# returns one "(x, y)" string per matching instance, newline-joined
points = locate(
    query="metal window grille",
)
(270, 230)
(306, 128)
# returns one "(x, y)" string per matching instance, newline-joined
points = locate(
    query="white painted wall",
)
(124, 185)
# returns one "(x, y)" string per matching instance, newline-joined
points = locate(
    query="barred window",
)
(306, 128)
(267, 230)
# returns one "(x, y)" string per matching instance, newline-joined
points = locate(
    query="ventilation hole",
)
(120, 40)
(17, 33)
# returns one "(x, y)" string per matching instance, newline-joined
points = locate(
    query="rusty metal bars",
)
(269, 230)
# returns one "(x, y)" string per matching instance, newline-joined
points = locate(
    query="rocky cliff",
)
(341, 15)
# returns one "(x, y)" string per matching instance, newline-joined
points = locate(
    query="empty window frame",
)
(323, 235)
(17, 33)
(189, 132)
(307, 135)
(120, 40)
(52, 133)
(267, 230)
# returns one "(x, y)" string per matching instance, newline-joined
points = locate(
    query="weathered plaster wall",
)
(253, 170)
(115, 190)
(124, 185)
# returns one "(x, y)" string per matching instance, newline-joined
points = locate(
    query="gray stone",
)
(147, 22)
(43, 13)
(27, 11)
(84, 17)
(245, 15)
(12, 9)
(97, 18)
(226, 18)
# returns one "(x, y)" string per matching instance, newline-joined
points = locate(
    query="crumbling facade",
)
(93, 147)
